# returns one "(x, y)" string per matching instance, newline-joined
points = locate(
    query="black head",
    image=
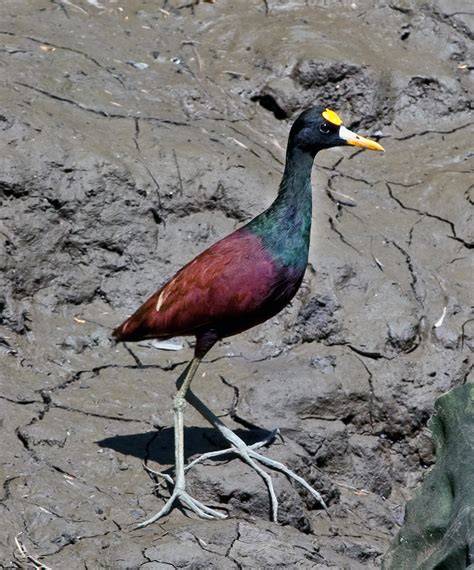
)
(318, 128)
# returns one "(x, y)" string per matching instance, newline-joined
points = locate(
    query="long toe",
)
(249, 454)
(229, 450)
(277, 466)
(181, 496)
(161, 474)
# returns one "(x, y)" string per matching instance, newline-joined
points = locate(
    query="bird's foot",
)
(249, 454)
(251, 457)
(212, 454)
(181, 496)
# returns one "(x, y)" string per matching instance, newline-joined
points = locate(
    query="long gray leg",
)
(179, 491)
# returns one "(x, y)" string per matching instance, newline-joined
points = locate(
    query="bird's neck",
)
(285, 226)
(295, 186)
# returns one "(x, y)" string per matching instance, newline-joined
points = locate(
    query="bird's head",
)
(318, 128)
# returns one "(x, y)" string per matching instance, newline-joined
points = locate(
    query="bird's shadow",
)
(158, 446)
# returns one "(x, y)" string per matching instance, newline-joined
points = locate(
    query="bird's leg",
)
(248, 454)
(179, 491)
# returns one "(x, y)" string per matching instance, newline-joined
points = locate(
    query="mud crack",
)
(428, 132)
(411, 270)
(101, 112)
(232, 544)
(233, 413)
(370, 378)
(340, 234)
(454, 236)
(72, 50)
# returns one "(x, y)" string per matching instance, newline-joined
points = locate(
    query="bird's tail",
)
(139, 326)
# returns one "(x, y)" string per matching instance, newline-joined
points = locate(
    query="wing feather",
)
(230, 280)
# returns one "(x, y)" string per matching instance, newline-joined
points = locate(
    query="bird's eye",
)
(324, 129)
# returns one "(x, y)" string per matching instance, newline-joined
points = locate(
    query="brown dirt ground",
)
(132, 136)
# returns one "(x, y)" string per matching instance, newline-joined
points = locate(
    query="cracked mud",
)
(132, 137)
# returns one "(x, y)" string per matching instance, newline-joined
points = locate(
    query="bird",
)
(237, 283)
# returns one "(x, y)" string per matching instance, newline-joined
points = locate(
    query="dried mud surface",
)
(131, 138)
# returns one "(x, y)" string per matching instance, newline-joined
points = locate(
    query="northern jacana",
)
(237, 283)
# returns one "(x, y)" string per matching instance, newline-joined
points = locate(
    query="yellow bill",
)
(357, 140)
